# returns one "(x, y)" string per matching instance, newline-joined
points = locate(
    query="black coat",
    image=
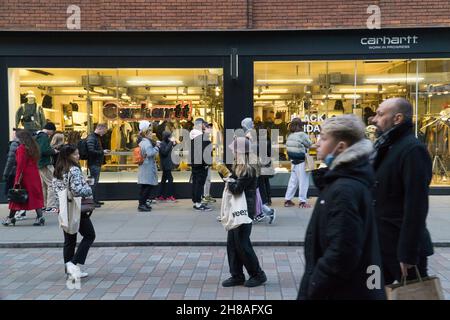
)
(341, 239)
(165, 155)
(95, 150)
(403, 175)
(248, 185)
(203, 141)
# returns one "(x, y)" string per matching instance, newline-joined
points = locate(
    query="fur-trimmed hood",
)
(363, 148)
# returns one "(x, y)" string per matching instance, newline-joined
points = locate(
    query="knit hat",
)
(50, 126)
(144, 125)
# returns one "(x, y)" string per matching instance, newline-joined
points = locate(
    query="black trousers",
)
(264, 189)
(70, 241)
(146, 191)
(199, 176)
(240, 252)
(393, 272)
(94, 172)
(167, 189)
(9, 183)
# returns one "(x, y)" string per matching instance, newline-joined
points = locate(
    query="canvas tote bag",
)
(428, 288)
(233, 211)
(69, 211)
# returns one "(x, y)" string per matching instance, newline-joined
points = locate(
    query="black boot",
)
(40, 220)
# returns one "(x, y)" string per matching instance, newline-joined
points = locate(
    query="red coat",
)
(31, 181)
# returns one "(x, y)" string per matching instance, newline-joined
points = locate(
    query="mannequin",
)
(30, 115)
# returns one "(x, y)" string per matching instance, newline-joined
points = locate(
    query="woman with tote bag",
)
(239, 247)
(70, 186)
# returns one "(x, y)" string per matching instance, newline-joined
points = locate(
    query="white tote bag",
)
(233, 211)
(69, 211)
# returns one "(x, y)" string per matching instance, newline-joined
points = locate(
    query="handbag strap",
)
(417, 273)
(19, 183)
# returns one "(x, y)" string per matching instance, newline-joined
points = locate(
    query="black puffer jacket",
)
(341, 239)
(95, 150)
(245, 184)
(10, 167)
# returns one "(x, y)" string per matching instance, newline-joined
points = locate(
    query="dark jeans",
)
(146, 191)
(240, 252)
(70, 241)
(94, 172)
(199, 176)
(9, 183)
(392, 271)
(167, 184)
(264, 189)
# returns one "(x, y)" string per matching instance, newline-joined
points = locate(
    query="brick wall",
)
(220, 14)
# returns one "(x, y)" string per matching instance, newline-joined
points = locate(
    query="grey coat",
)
(298, 142)
(10, 167)
(148, 172)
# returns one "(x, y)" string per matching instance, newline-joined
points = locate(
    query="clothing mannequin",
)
(30, 115)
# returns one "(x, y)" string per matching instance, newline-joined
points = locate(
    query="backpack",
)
(137, 156)
(83, 149)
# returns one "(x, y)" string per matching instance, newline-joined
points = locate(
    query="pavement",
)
(118, 223)
(163, 273)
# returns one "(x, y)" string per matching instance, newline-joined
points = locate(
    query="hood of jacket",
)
(352, 163)
(195, 133)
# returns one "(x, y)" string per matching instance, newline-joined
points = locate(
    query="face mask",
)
(330, 157)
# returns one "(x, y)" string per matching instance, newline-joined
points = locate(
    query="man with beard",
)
(403, 173)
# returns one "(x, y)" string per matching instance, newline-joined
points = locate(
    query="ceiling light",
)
(163, 91)
(103, 98)
(191, 97)
(393, 79)
(267, 97)
(48, 81)
(352, 96)
(155, 82)
(332, 96)
(350, 89)
(284, 80)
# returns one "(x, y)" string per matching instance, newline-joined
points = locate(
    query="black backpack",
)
(83, 149)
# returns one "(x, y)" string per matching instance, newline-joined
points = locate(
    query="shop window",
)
(77, 99)
(316, 90)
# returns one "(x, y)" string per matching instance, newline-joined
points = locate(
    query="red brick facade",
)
(220, 14)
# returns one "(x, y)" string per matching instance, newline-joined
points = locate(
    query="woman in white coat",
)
(148, 172)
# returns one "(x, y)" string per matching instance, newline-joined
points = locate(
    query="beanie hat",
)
(144, 125)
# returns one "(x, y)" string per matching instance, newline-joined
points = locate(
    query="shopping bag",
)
(428, 288)
(69, 211)
(233, 211)
(309, 163)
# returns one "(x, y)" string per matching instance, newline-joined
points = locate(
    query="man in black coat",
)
(96, 157)
(342, 254)
(403, 174)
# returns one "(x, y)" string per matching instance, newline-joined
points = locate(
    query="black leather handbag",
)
(17, 194)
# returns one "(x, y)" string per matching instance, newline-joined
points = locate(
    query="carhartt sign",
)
(373, 43)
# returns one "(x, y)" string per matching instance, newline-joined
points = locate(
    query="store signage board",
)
(393, 43)
(181, 111)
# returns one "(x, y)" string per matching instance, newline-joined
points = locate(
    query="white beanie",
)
(143, 125)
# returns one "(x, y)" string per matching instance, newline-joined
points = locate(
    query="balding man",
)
(403, 174)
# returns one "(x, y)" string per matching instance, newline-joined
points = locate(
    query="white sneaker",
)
(267, 210)
(20, 215)
(73, 271)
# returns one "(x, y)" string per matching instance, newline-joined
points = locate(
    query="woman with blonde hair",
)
(147, 172)
(56, 144)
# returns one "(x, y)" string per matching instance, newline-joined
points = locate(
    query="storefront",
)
(78, 79)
